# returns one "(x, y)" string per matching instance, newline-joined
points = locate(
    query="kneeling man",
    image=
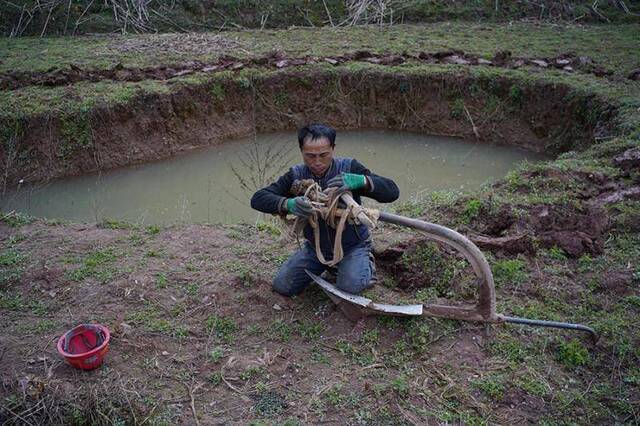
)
(317, 144)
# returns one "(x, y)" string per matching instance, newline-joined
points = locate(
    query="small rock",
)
(126, 328)
(281, 64)
(567, 68)
(540, 63)
(482, 61)
(584, 60)
(211, 68)
(563, 61)
(455, 59)
(373, 60)
(165, 353)
(518, 63)
(277, 307)
(331, 61)
(237, 66)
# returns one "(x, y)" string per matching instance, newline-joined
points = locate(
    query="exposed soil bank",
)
(543, 117)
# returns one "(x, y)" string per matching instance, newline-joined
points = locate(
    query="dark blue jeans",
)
(354, 270)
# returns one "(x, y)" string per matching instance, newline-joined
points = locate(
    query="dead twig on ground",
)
(192, 390)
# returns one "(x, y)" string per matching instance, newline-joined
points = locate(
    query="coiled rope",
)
(336, 207)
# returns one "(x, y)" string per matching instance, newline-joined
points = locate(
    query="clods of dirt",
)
(199, 45)
(576, 232)
(628, 160)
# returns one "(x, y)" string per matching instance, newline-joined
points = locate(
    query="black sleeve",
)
(271, 198)
(383, 189)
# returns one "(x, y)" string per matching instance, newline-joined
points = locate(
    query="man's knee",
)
(354, 281)
(282, 284)
(289, 283)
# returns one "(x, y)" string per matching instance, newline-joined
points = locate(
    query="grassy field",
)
(199, 333)
(611, 44)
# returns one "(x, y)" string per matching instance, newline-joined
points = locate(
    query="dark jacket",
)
(272, 199)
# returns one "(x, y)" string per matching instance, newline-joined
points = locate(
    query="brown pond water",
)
(205, 185)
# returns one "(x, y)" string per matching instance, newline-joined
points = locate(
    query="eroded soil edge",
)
(542, 117)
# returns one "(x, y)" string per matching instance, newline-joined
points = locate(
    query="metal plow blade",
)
(356, 307)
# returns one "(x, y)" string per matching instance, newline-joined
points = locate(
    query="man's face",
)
(317, 155)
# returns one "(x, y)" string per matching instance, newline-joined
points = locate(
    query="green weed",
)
(224, 328)
(192, 289)
(269, 228)
(361, 356)
(509, 271)
(509, 348)
(319, 357)
(152, 230)
(11, 266)
(216, 355)
(96, 265)
(370, 337)
(251, 373)
(515, 96)
(16, 220)
(215, 378)
(76, 135)
(437, 269)
(270, 404)
(217, 91)
(557, 253)
(532, 385)
(514, 180)
(471, 210)
(116, 224)
(334, 395)
(400, 385)
(456, 110)
(419, 335)
(151, 319)
(492, 386)
(161, 280)
(573, 353)
(310, 330)
(280, 330)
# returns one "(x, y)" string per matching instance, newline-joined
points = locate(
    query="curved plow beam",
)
(356, 307)
(485, 309)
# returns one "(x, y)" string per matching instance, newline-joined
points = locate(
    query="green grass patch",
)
(224, 328)
(493, 386)
(509, 272)
(15, 220)
(573, 353)
(97, 265)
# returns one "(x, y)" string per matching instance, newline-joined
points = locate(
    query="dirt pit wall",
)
(541, 117)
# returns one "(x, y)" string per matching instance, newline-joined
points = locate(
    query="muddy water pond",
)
(214, 184)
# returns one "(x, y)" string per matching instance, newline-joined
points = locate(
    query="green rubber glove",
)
(299, 206)
(351, 181)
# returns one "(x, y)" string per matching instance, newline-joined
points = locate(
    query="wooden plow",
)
(356, 307)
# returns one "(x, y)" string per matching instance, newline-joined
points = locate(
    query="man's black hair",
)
(316, 131)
